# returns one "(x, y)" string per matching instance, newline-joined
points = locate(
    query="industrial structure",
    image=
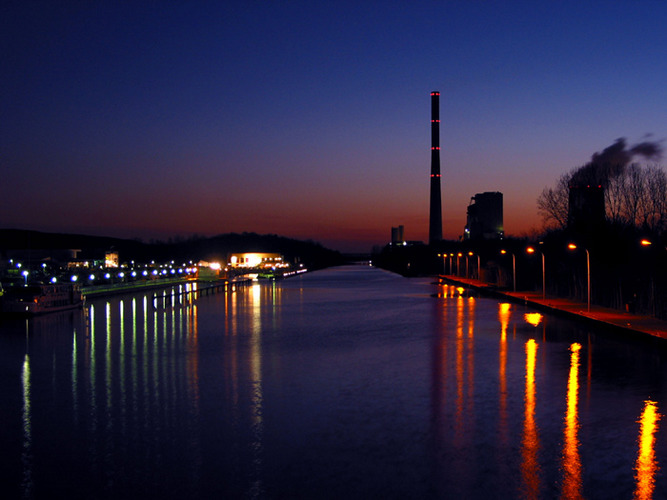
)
(485, 217)
(586, 208)
(397, 236)
(435, 216)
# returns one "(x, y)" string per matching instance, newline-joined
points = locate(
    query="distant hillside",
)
(216, 248)
(22, 239)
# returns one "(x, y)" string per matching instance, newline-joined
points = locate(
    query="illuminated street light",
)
(513, 268)
(531, 250)
(646, 244)
(572, 246)
(479, 265)
(470, 254)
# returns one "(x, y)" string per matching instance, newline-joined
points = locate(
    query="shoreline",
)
(622, 321)
(116, 289)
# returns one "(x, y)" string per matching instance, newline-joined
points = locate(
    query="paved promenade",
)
(618, 319)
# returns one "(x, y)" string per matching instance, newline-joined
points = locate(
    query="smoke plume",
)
(612, 161)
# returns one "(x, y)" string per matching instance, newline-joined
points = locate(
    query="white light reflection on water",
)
(27, 454)
(75, 377)
(107, 444)
(140, 382)
(257, 422)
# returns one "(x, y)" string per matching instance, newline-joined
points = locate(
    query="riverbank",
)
(120, 288)
(579, 310)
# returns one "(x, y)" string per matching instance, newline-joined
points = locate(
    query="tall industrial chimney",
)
(435, 218)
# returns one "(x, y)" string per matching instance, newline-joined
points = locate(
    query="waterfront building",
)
(111, 259)
(254, 260)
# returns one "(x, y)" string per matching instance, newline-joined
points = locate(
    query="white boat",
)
(40, 299)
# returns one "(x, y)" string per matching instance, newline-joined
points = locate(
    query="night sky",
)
(311, 119)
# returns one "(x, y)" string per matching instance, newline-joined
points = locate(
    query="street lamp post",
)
(531, 250)
(470, 254)
(646, 244)
(513, 269)
(588, 277)
(544, 282)
(572, 246)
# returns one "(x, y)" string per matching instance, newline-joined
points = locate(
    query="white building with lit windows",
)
(256, 260)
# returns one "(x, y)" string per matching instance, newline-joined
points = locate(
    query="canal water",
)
(349, 382)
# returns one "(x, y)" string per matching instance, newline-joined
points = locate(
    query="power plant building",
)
(586, 209)
(485, 217)
(397, 236)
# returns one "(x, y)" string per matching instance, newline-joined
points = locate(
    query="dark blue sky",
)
(311, 119)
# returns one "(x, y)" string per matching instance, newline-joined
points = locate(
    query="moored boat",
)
(37, 299)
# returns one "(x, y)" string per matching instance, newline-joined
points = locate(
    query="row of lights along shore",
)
(531, 250)
(104, 274)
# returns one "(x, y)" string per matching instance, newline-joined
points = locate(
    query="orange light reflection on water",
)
(571, 462)
(471, 355)
(459, 366)
(465, 366)
(530, 468)
(646, 466)
(504, 313)
(533, 318)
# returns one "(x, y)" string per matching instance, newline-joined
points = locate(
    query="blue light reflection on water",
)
(345, 382)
